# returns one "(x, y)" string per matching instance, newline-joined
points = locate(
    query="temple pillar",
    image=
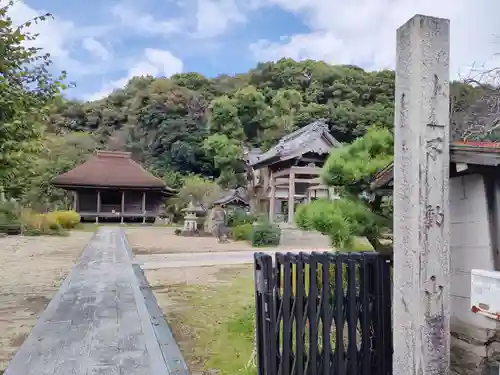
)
(98, 206)
(75, 201)
(291, 197)
(122, 207)
(143, 207)
(272, 201)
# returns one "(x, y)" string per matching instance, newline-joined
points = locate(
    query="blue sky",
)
(104, 43)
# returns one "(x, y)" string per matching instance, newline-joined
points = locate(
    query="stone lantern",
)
(191, 218)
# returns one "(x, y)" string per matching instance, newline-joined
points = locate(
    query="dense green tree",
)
(253, 113)
(355, 214)
(223, 118)
(354, 165)
(285, 106)
(165, 121)
(227, 157)
(166, 140)
(26, 90)
(195, 189)
(59, 154)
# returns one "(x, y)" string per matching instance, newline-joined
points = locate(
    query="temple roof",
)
(314, 137)
(252, 155)
(110, 169)
(231, 196)
(466, 152)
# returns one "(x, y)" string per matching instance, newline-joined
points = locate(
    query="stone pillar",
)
(421, 321)
(98, 206)
(144, 207)
(291, 197)
(272, 201)
(122, 210)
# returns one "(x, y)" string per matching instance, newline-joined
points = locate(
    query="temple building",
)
(289, 172)
(233, 198)
(111, 185)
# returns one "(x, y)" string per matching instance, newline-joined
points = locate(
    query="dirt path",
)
(31, 271)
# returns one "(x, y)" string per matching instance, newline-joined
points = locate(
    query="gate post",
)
(265, 314)
(421, 321)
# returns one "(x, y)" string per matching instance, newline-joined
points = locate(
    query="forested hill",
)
(183, 125)
(193, 124)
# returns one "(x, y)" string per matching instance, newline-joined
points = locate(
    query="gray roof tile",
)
(298, 143)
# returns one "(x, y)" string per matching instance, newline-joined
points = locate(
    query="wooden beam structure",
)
(286, 181)
(75, 201)
(316, 171)
(272, 201)
(287, 178)
(122, 211)
(291, 198)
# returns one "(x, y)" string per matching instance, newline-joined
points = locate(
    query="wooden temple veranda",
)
(112, 186)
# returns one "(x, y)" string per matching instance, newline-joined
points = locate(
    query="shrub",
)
(302, 217)
(36, 224)
(240, 217)
(242, 232)
(265, 234)
(8, 226)
(10, 219)
(14, 220)
(33, 232)
(342, 220)
(361, 244)
(66, 219)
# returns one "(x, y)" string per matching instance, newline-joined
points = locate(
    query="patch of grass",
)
(360, 244)
(214, 324)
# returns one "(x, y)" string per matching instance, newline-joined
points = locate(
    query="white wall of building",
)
(471, 248)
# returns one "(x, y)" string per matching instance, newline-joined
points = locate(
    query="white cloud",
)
(195, 18)
(364, 31)
(96, 48)
(155, 62)
(214, 17)
(56, 36)
(53, 34)
(318, 45)
(145, 22)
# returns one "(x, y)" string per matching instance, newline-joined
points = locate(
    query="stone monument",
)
(421, 324)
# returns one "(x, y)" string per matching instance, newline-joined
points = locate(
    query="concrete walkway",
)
(98, 322)
(174, 260)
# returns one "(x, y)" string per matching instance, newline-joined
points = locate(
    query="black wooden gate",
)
(323, 313)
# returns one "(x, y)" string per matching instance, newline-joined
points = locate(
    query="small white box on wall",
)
(485, 293)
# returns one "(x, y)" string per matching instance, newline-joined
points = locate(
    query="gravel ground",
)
(31, 271)
(162, 240)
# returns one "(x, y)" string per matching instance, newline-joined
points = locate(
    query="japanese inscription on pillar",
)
(421, 214)
(434, 205)
(434, 215)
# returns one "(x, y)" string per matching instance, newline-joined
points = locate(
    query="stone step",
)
(303, 239)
